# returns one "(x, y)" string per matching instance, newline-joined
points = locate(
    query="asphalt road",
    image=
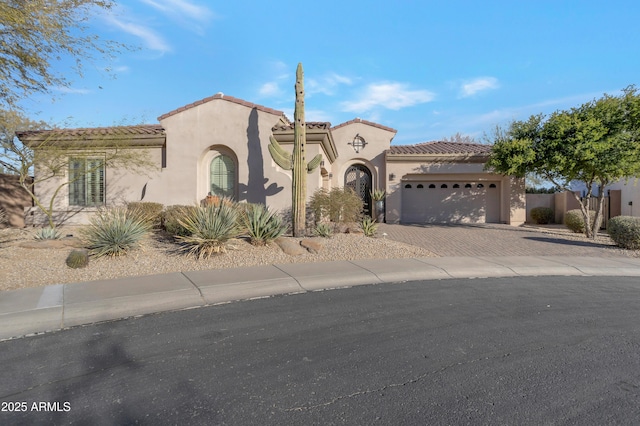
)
(486, 351)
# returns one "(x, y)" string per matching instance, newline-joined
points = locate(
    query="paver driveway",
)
(498, 240)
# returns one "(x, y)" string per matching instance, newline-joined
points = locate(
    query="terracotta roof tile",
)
(369, 123)
(309, 125)
(139, 130)
(223, 97)
(441, 148)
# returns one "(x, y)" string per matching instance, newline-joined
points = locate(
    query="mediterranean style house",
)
(219, 145)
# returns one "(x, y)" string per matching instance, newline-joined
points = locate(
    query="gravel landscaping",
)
(27, 263)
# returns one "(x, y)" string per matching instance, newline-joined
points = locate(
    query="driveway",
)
(501, 240)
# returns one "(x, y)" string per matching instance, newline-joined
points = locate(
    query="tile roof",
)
(308, 124)
(127, 131)
(224, 97)
(440, 148)
(369, 123)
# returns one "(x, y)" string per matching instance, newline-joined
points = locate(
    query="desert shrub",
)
(116, 231)
(262, 225)
(210, 228)
(171, 216)
(574, 221)
(542, 215)
(369, 226)
(152, 211)
(78, 259)
(340, 205)
(323, 230)
(625, 231)
(47, 233)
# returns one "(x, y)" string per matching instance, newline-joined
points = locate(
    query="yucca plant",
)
(263, 225)
(323, 230)
(116, 231)
(369, 226)
(210, 229)
(47, 233)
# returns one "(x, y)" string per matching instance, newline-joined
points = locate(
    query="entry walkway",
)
(499, 240)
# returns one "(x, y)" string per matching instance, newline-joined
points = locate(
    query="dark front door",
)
(358, 178)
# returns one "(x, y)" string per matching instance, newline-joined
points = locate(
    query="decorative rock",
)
(290, 246)
(312, 245)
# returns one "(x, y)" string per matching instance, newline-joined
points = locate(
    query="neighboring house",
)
(219, 145)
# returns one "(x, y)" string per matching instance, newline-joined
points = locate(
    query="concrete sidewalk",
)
(56, 307)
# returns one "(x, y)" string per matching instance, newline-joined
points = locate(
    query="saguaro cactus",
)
(296, 161)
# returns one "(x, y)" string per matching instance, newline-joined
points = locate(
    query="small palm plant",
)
(263, 225)
(210, 228)
(116, 231)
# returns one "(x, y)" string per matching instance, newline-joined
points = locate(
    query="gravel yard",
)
(33, 266)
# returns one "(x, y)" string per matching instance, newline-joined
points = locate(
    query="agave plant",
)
(263, 225)
(47, 233)
(323, 230)
(369, 226)
(116, 231)
(210, 228)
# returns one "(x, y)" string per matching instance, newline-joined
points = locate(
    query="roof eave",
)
(462, 158)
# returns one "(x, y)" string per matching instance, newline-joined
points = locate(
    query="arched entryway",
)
(358, 178)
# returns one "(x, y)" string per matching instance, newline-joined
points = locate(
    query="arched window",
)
(408, 186)
(480, 185)
(468, 185)
(444, 185)
(222, 176)
(432, 186)
(455, 185)
(493, 185)
(420, 186)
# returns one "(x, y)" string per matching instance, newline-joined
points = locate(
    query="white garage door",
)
(450, 202)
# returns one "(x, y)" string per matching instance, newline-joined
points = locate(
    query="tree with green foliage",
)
(596, 143)
(46, 155)
(37, 35)
(296, 161)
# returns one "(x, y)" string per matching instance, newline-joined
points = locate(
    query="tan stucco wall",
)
(13, 200)
(372, 155)
(195, 135)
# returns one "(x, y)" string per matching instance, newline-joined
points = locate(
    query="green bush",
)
(340, 205)
(369, 226)
(116, 231)
(171, 216)
(323, 230)
(262, 225)
(542, 215)
(78, 259)
(573, 220)
(152, 211)
(625, 231)
(47, 233)
(210, 228)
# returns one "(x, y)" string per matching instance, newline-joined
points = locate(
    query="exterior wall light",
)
(392, 176)
(358, 143)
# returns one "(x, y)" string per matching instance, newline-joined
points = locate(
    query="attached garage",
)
(446, 182)
(450, 202)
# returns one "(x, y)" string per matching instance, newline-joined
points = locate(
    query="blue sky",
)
(428, 69)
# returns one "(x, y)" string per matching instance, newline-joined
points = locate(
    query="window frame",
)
(89, 190)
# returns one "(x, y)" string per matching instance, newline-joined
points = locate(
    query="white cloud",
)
(269, 89)
(186, 12)
(391, 95)
(326, 84)
(149, 37)
(72, 91)
(471, 87)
